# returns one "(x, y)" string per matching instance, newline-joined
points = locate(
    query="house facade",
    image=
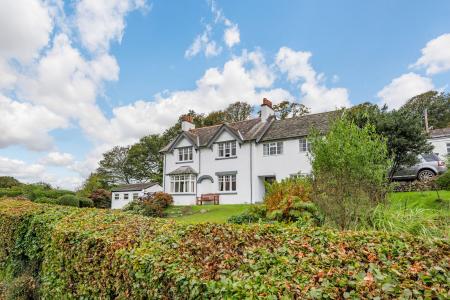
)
(122, 195)
(440, 139)
(235, 159)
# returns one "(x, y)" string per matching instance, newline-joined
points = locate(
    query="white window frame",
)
(273, 148)
(116, 196)
(227, 149)
(126, 196)
(135, 196)
(185, 154)
(182, 184)
(227, 183)
(304, 145)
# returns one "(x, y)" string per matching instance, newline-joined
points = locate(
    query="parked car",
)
(429, 165)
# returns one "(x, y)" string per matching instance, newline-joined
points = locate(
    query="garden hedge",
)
(91, 253)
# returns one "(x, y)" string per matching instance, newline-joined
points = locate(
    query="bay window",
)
(275, 148)
(227, 183)
(184, 183)
(227, 149)
(185, 154)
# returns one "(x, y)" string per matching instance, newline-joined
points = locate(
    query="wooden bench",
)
(208, 197)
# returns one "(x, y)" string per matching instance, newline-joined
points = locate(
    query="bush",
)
(23, 287)
(68, 200)
(256, 213)
(46, 200)
(349, 166)
(8, 182)
(150, 205)
(101, 198)
(104, 254)
(443, 181)
(86, 202)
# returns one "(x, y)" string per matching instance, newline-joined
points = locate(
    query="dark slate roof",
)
(440, 132)
(133, 187)
(183, 170)
(254, 129)
(299, 126)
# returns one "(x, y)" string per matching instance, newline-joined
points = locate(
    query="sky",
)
(79, 77)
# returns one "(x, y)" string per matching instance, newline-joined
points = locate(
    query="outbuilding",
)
(124, 194)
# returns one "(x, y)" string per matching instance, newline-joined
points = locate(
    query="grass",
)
(205, 213)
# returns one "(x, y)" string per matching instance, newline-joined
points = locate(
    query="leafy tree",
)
(144, 159)
(437, 105)
(214, 118)
(93, 182)
(114, 166)
(349, 168)
(101, 198)
(286, 109)
(8, 182)
(238, 111)
(403, 130)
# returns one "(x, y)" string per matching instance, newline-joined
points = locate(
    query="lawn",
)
(420, 207)
(205, 213)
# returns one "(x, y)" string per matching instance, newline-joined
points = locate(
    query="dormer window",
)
(185, 154)
(227, 149)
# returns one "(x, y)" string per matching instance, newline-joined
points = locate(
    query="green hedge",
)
(92, 253)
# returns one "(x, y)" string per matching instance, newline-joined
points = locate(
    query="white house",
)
(440, 139)
(124, 194)
(235, 159)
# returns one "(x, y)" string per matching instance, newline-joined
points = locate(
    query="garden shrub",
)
(443, 181)
(150, 205)
(68, 200)
(349, 167)
(101, 198)
(46, 200)
(256, 213)
(104, 254)
(85, 202)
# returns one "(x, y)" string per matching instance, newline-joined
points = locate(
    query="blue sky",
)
(79, 77)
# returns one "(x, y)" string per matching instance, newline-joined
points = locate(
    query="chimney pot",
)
(266, 110)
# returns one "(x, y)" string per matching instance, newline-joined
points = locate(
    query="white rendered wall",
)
(121, 202)
(440, 146)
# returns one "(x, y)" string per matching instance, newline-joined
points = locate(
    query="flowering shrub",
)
(104, 254)
(150, 205)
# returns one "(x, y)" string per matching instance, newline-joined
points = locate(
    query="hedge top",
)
(95, 253)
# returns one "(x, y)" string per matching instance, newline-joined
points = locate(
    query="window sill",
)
(228, 193)
(182, 194)
(221, 158)
(184, 162)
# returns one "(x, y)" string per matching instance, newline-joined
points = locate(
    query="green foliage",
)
(437, 105)
(151, 205)
(255, 214)
(349, 169)
(23, 287)
(68, 200)
(8, 182)
(85, 202)
(33, 191)
(113, 167)
(144, 159)
(94, 182)
(46, 200)
(443, 181)
(104, 254)
(286, 109)
(101, 198)
(284, 197)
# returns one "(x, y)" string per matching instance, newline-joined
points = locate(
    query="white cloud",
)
(21, 170)
(232, 36)
(402, 88)
(25, 28)
(57, 159)
(203, 43)
(315, 94)
(435, 56)
(27, 124)
(101, 21)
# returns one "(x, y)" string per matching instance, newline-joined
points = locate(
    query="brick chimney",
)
(187, 123)
(266, 110)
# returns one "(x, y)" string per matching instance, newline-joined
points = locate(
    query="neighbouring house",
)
(124, 194)
(234, 160)
(440, 139)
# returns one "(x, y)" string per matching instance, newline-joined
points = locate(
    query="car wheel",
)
(425, 175)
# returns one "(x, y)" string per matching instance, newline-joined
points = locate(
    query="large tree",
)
(114, 166)
(8, 182)
(144, 159)
(437, 106)
(238, 111)
(287, 109)
(94, 182)
(403, 130)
